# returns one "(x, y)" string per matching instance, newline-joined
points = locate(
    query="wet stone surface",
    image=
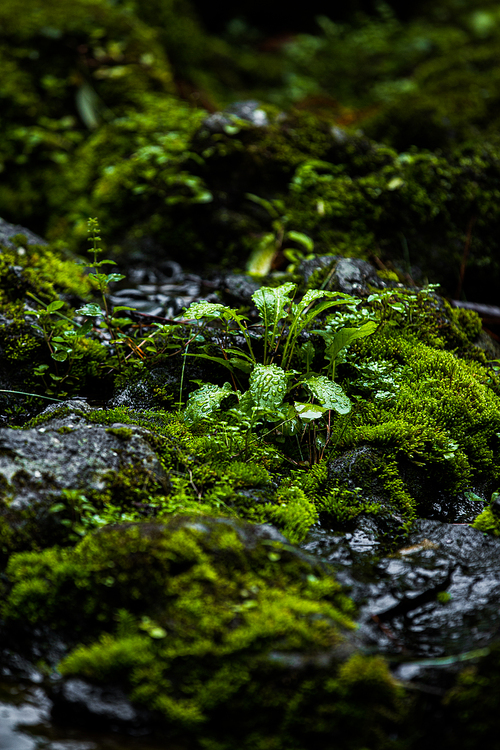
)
(436, 594)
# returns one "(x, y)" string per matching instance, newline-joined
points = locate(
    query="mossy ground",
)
(196, 618)
(104, 113)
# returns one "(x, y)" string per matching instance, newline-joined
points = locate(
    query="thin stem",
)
(182, 378)
(37, 395)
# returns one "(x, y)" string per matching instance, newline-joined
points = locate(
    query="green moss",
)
(470, 709)
(124, 433)
(489, 520)
(198, 617)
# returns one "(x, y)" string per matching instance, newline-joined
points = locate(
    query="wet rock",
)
(76, 700)
(435, 595)
(11, 230)
(239, 287)
(67, 453)
(353, 276)
(251, 111)
(347, 275)
(225, 122)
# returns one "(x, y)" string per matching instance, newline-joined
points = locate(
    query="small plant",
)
(63, 340)
(101, 281)
(271, 243)
(276, 392)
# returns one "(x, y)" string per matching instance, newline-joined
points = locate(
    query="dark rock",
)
(347, 275)
(249, 110)
(68, 453)
(141, 395)
(76, 700)
(436, 595)
(239, 287)
(353, 276)
(11, 230)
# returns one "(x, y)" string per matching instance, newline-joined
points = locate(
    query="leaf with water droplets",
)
(206, 400)
(268, 386)
(328, 393)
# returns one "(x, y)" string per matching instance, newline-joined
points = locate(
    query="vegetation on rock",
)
(312, 399)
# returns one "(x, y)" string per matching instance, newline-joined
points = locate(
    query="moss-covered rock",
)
(56, 476)
(202, 619)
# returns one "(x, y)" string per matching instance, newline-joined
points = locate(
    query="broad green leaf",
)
(328, 393)
(271, 303)
(118, 308)
(82, 330)
(261, 257)
(346, 336)
(241, 364)
(206, 400)
(219, 360)
(309, 412)
(61, 355)
(268, 385)
(91, 309)
(56, 305)
(301, 238)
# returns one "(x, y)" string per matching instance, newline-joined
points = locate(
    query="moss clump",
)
(202, 618)
(124, 433)
(489, 520)
(64, 70)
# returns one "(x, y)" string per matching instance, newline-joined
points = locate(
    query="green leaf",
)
(60, 355)
(307, 353)
(301, 238)
(56, 305)
(346, 336)
(241, 364)
(261, 257)
(114, 277)
(157, 632)
(271, 303)
(224, 362)
(82, 330)
(119, 308)
(268, 386)
(309, 412)
(87, 101)
(91, 309)
(271, 210)
(206, 400)
(208, 310)
(99, 263)
(328, 393)
(302, 317)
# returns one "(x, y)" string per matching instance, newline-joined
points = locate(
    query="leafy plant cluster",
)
(294, 400)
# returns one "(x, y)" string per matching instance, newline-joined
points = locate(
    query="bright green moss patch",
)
(200, 616)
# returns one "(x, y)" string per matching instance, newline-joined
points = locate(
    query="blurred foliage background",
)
(102, 104)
